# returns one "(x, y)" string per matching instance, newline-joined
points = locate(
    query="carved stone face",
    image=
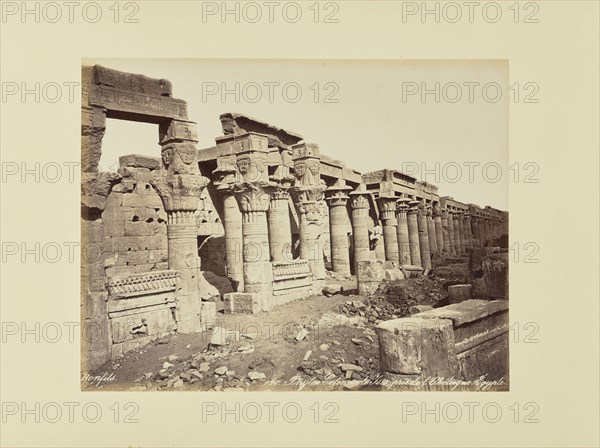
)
(314, 168)
(300, 170)
(243, 165)
(167, 156)
(187, 153)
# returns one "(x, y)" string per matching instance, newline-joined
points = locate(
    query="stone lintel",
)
(234, 123)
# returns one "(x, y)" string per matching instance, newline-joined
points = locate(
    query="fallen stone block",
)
(416, 346)
(410, 270)
(416, 309)
(241, 303)
(369, 275)
(208, 315)
(332, 289)
(459, 293)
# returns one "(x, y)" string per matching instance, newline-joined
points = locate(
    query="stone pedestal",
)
(387, 210)
(337, 198)
(280, 231)
(360, 223)
(402, 233)
(431, 230)
(413, 234)
(437, 223)
(423, 237)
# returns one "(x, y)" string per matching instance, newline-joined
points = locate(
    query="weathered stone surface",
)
(467, 311)
(459, 293)
(332, 289)
(208, 315)
(211, 285)
(416, 309)
(241, 303)
(369, 275)
(416, 346)
(410, 270)
(234, 123)
(138, 161)
(394, 274)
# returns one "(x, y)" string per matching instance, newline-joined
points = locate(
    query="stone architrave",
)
(403, 241)
(337, 199)
(437, 223)
(360, 224)
(423, 236)
(431, 230)
(413, 233)
(387, 211)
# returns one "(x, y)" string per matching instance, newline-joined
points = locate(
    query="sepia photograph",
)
(249, 252)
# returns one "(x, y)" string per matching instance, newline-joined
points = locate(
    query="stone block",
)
(114, 228)
(416, 309)
(208, 315)
(332, 289)
(415, 346)
(241, 303)
(369, 275)
(138, 161)
(145, 229)
(459, 293)
(394, 274)
(410, 270)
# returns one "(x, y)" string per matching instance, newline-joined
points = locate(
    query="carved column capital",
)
(387, 206)
(95, 188)
(253, 197)
(180, 193)
(337, 194)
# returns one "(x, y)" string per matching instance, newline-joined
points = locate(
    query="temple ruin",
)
(263, 207)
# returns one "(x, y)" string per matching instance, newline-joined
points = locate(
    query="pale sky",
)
(376, 122)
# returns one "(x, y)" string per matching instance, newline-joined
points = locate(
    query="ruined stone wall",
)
(135, 222)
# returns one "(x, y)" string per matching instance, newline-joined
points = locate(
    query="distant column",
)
(457, 234)
(280, 230)
(337, 198)
(387, 210)
(360, 225)
(431, 230)
(402, 232)
(439, 232)
(423, 237)
(413, 233)
(451, 236)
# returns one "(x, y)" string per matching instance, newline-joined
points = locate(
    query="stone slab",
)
(467, 311)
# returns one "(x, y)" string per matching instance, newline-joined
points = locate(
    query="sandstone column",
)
(413, 233)
(451, 234)
(402, 229)
(457, 242)
(180, 187)
(253, 195)
(431, 230)
(280, 230)
(468, 232)
(387, 210)
(337, 198)
(475, 229)
(307, 194)
(423, 237)
(446, 231)
(463, 233)
(437, 222)
(360, 226)
(225, 177)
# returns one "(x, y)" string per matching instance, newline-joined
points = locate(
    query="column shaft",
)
(402, 236)
(232, 224)
(338, 225)
(413, 238)
(423, 240)
(280, 230)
